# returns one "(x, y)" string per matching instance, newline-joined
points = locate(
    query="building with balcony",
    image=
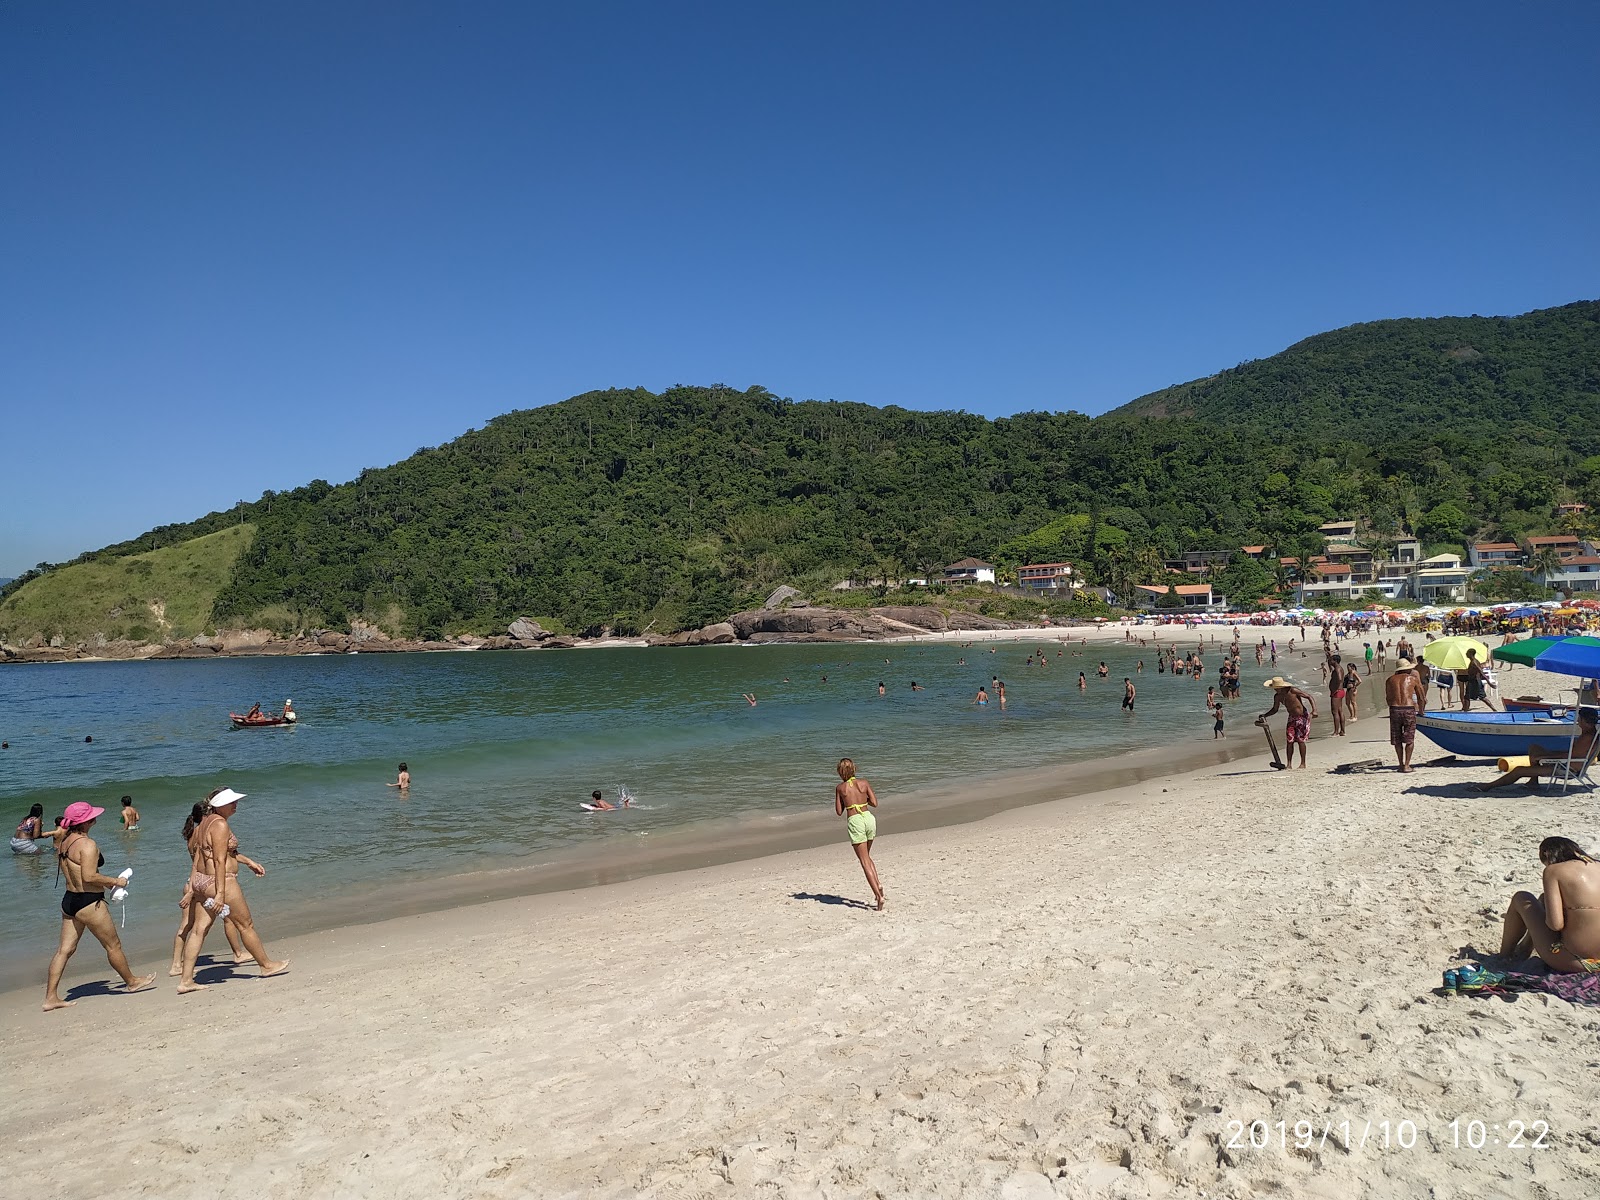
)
(968, 570)
(1338, 531)
(1565, 545)
(1439, 579)
(1047, 577)
(1359, 561)
(1496, 556)
(1192, 595)
(1580, 573)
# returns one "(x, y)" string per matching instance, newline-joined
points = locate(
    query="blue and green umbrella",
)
(1564, 655)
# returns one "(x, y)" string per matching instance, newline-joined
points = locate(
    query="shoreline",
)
(1071, 998)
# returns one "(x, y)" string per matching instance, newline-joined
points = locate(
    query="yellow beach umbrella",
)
(1451, 653)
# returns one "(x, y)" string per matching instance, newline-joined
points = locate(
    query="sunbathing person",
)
(1563, 925)
(1543, 761)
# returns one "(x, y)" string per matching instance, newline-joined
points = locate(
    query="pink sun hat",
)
(80, 813)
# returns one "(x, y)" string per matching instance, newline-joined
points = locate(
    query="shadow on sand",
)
(820, 899)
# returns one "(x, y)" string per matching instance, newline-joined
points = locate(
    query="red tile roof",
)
(1496, 546)
(1330, 568)
(1563, 539)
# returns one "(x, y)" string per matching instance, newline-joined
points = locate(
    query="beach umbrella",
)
(1526, 653)
(1527, 610)
(1451, 653)
(1563, 655)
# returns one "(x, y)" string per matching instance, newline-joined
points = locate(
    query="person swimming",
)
(130, 816)
(982, 697)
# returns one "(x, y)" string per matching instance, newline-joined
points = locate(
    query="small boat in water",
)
(1496, 734)
(256, 719)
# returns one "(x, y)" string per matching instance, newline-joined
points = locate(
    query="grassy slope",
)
(156, 596)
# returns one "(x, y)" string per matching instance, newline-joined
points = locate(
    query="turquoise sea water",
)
(503, 746)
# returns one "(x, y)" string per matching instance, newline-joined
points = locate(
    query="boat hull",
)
(1495, 735)
(269, 723)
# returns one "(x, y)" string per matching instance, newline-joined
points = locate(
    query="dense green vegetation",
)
(638, 510)
(155, 596)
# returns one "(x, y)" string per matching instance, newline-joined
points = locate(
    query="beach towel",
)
(1477, 980)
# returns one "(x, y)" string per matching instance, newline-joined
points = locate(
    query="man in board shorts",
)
(1298, 727)
(1406, 696)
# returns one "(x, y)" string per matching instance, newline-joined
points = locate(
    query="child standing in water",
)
(402, 780)
(854, 799)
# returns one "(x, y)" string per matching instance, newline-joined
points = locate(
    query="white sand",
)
(1073, 999)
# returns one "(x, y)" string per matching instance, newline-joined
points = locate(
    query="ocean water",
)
(503, 746)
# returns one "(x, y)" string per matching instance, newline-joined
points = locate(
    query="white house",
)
(1047, 577)
(1580, 573)
(1442, 577)
(969, 570)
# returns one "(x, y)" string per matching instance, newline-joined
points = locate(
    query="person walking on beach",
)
(218, 892)
(1406, 697)
(1216, 727)
(1352, 682)
(83, 906)
(1335, 675)
(1473, 684)
(187, 906)
(853, 799)
(1297, 729)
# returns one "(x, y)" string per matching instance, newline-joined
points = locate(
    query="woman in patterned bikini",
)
(217, 891)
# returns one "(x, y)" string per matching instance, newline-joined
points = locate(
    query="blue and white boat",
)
(1496, 734)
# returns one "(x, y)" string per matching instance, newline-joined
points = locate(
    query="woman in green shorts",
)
(854, 800)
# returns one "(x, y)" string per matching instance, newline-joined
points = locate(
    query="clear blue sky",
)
(249, 245)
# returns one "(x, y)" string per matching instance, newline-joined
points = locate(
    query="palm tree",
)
(1545, 563)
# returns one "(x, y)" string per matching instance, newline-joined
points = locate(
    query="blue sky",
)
(246, 246)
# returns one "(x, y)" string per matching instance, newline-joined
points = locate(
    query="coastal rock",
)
(668, 639)
(559, 643)
(719, 634)
(235, 640)
(361, 633)
(332, 641)
(526, 629)
(202, 639)
(783, 595)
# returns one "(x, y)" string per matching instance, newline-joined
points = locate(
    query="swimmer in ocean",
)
(402, 780)
(750, 697)
(982, 697)
(915, 686)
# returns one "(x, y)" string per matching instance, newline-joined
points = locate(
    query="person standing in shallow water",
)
(854, 800)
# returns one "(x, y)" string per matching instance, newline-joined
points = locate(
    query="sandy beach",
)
(1071, 999)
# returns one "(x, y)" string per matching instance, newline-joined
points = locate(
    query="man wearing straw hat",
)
(1298, 727)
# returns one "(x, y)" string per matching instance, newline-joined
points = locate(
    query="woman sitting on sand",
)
(216, 886)
(853, 799)
(186, 903)
(1563, 925)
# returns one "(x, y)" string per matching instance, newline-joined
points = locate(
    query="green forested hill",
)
(631, 508)
(1470, 379)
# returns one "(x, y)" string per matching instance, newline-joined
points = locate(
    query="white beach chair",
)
(1573, 770)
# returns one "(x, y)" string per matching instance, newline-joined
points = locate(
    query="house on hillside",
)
(1496, 556)
(969, 570)
(1050, 578)
(1195, 562)
(1439, 579)
(1362, 570)
(1256, 552)
(1580, 573)
(1572, 508)
(1565, 545)
(1191, 595)
(1407, 550)
(1338, 531)
(1326, 581)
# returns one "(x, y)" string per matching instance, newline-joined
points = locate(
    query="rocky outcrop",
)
(766, 625)
(526, 629)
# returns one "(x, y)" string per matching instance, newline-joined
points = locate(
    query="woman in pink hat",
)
(84, 905)
(216, 891)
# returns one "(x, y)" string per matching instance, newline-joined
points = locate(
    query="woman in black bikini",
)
(84, 905)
